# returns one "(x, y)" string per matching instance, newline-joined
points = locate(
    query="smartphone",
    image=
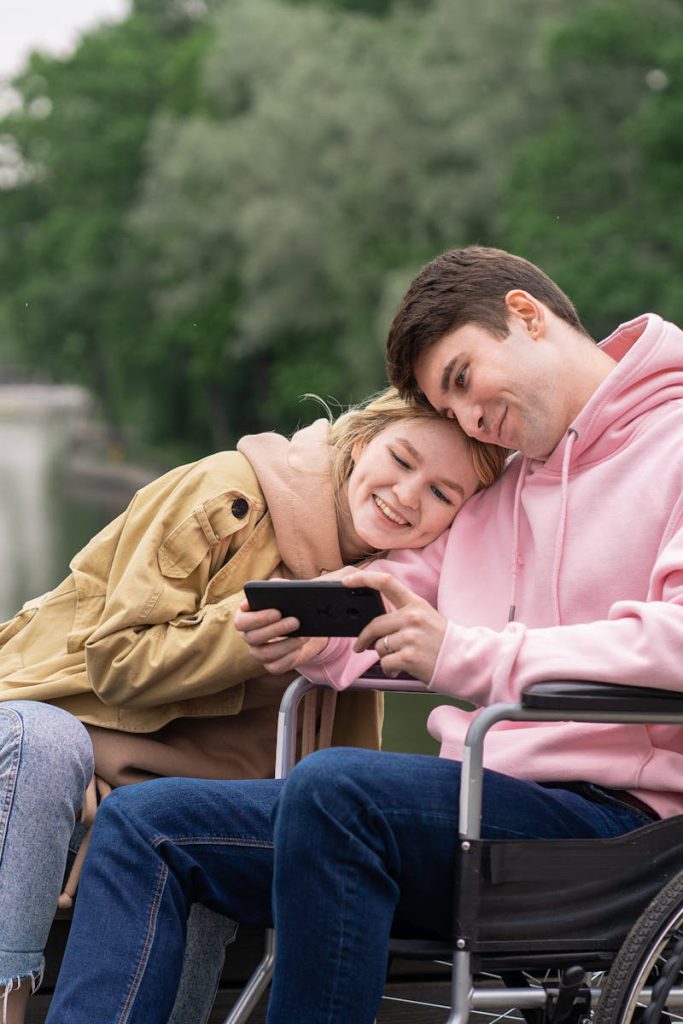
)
(322, 608)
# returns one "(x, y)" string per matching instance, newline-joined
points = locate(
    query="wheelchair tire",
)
(642, 959)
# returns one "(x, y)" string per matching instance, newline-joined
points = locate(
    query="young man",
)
(572, 564)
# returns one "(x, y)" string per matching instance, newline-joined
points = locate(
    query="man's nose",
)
(471, 419)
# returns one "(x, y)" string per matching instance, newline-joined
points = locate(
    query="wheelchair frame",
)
(472, 948)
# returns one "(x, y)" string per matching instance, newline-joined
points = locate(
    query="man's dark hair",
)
(463, 286)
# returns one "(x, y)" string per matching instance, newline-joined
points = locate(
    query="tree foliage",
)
(214, 206)
(338, 152)
(594, 196)
(76, 296)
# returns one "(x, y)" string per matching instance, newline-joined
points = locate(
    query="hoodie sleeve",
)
(639, 643)
(338, 665)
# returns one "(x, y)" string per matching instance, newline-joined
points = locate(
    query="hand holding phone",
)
(323, 607)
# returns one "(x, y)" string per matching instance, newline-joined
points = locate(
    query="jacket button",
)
(240, 507)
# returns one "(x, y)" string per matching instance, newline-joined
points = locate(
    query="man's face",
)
(509, 391)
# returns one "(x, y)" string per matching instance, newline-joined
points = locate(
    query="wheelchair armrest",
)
(373, 679)
(572, 695)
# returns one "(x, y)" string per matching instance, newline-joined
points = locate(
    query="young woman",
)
(136, 654)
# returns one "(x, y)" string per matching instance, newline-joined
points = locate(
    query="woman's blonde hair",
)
(360, 423)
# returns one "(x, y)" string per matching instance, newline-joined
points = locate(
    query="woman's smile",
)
(388, 512)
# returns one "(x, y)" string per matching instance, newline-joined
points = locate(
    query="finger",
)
(390, 588)
(275, 631)
(383, 625)
(246, 620)
(285, 655)
(276, 649)
(386, 646)
(288, 658)
(393, 664)
(336, 574)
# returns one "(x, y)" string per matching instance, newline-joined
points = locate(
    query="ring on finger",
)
(387, 648)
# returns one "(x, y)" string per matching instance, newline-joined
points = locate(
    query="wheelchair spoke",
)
(415, 1002)
(492, 1018)
(490, 1006)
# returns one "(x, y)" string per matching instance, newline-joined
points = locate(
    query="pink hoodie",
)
(587, 548)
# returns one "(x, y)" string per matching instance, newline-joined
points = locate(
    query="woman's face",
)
(409, 481)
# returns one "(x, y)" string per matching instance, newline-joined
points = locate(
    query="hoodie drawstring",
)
(562, 522)
(572, 436)
(515, 538)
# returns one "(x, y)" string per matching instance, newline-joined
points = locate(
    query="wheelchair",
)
(553, 931)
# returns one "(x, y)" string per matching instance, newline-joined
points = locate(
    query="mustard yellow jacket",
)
(141, 631)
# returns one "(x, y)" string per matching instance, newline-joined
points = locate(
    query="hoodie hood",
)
(647, 375)
(296, 481)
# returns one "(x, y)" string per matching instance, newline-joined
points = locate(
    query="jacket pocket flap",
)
(210, 523)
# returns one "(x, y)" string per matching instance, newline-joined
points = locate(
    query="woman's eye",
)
(441, 496)
(461, 378)
(399, 460)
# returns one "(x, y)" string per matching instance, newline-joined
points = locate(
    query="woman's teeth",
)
(389, 512)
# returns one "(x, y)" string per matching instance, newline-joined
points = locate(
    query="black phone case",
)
(323, 609)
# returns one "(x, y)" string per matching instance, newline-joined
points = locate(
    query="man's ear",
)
(525, 307)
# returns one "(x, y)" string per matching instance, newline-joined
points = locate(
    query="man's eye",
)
(441, 496)
(397, 458)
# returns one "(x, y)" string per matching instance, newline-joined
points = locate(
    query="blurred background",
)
(211, 207)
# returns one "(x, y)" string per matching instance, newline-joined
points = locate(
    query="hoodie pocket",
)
(209, 524)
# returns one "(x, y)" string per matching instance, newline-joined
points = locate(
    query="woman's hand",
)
(266, 634)
(407, 639)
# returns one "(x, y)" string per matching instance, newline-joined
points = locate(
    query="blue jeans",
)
(46, 762)
(353, 842)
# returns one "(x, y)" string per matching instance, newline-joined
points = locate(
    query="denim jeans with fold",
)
(46, 762)
(352, 843)
(45, 765)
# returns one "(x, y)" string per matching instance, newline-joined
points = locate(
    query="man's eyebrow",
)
(452, 484)
(446, 375)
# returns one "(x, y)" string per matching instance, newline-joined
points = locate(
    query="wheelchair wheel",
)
(645, 982)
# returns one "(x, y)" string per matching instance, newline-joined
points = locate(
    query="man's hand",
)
(407, 639)
(267, 635)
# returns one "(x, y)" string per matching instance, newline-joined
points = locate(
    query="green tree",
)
(338, 153)
(212, 208)
(75, 302)
(594, 196)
